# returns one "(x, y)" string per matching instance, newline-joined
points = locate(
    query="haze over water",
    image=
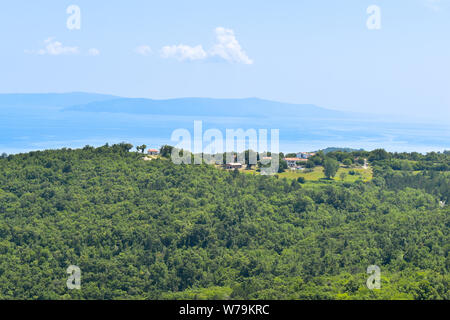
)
(41, 122)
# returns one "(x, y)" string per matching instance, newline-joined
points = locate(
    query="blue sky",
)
(318, 52)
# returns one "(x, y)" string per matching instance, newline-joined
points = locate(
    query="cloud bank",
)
(54, 48)
(183, 52)
(225, 48)
(228, 48)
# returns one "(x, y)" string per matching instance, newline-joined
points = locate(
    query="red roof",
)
(153, 150)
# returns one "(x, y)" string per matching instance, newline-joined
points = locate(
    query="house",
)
(152, 152)
(292, 162)
(305, 155)
(234, 165)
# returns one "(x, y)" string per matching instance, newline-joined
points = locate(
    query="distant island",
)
(42, 121)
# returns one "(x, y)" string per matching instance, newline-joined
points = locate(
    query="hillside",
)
(155, 230)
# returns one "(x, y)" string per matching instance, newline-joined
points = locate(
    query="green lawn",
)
(317, 174)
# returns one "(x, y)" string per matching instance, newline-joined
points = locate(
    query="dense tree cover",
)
(334, 149)
(429, 172)
(155, 230)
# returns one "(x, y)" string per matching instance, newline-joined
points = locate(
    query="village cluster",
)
(296, 163)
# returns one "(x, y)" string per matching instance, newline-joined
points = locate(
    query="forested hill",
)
(154, 230)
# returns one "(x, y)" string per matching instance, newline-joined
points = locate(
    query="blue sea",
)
(24, 128)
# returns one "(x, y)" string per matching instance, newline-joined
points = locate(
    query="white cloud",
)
(183, 52)
(54, 48)
(228, 48)
(143, 50)
(93, 52)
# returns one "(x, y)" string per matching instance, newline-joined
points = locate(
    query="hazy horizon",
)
(383, 65)
(113, 96)
(317, 52)
(47, 121)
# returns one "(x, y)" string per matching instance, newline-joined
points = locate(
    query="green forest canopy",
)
(155, 230)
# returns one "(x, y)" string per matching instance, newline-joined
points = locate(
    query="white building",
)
(233, 165)
(152, 152)
(305, 155)
(292, 162)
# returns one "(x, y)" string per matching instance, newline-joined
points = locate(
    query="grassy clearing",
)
(317, 174)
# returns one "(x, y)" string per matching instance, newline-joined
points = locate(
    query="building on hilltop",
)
(292, 162)
(152, 152)
(305, 155)
(234, 165)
